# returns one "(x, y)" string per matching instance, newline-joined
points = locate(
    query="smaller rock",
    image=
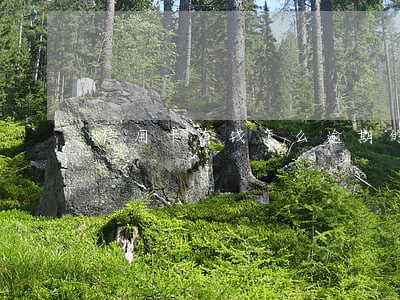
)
(335, 159)
(83, 86)
(262, 198)
(127, 239)
(263, 146)
(29, 130)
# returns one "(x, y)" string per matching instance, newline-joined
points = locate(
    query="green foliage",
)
(267, 170)
(21, 93)
(12, 136)
(52, 263)
(215, 146)
(16, 191)
(344, 234)
(378, 160)
(185, 96)
(137, 5)
(135, 214)
(144, 35)
(312, 200)
(219, 248)
(251, 125)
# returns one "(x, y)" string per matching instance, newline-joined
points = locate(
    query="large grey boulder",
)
(37, 155)
(96, 167)
(335, 159)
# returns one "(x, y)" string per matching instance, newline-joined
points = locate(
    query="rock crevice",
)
(97, 166)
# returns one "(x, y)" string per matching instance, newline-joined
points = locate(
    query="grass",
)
(219, 248)
(379, 160)
(44, 258)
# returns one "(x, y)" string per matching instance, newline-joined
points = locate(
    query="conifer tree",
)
(184, 43)
(236, 174)
(319, 89)
(109, 32)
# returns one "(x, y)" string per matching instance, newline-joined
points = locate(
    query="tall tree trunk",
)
(353, 117)
(38, 57)
(62, 88)
(165, 70)
(38, 68)
(302, 33)
(269, 52)
(396, 105)
(331, 83)
(203, 59)
(57, 88)
(109, 32)
(389, 80)
(20, 33)
(236, 174)
(184, 43)
(319, 90)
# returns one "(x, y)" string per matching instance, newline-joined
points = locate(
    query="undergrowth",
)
(16, 189)
(313, 241)
(379, 160)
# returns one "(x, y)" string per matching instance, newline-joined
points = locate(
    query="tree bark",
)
(203, 60)
(20, 33)
(62, 88)
(165, 70)
(389, 81)
(109, 32)
(236, 174)
(331, 83)
(38, 57)
(319, 90)
(57, 88)
(184, 42)
(302, 34)
(395, 89)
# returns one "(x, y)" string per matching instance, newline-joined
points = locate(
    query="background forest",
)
(289, 75)
(314, 240)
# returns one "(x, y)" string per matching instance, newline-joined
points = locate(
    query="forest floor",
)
(314, 240)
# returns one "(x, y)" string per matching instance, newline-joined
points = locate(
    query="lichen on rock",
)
(102, 163)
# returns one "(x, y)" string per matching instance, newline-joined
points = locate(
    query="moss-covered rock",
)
(100, 164)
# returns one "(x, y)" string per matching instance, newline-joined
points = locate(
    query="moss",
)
(180, 177)
(148, 151)
(101, 169)
(120, 151)
(202, 152)
(251, 125)
(103, 136)
(216, 147)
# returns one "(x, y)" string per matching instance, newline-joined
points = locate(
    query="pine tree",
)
(319, 89)
(109, 32)
(236, 174)
(184, 42)
(331, 83)
(302, 33)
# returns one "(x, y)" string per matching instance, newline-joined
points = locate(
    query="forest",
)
(313, 67)
(283, 81)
